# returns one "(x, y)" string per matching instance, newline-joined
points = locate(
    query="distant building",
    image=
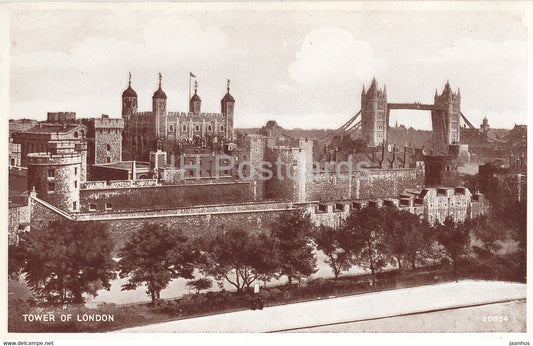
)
(374, 119)
(59, 134)
(484, 127)
(446, 120)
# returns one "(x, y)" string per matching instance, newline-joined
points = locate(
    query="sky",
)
(304, 68)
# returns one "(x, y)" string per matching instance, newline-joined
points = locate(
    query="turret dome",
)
(195, 97)
(159, 93)
(129, 92)
(228, 98)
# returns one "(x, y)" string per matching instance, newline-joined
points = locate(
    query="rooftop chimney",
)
(133, 171)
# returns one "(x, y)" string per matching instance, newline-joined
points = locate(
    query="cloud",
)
(95, 68)
(332, 57)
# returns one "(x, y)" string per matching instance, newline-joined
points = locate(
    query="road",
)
(330, 314)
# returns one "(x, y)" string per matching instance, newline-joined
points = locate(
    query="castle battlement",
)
(51, 159)
(142, 113)
(104, 123)
(192, 114)
(96, 185)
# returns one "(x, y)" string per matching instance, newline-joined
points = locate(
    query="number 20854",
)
(495, 318)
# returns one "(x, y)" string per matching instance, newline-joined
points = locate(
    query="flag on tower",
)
(192, 74)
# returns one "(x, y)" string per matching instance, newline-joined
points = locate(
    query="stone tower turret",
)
(159, 109)
(227, 106)
(446, 120)
(56, 178)
(374, 120)
(195, 103)
(129, 101)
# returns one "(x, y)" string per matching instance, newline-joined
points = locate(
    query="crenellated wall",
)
(130, 197)
(373, 183)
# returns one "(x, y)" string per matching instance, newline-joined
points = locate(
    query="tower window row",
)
(197, 128)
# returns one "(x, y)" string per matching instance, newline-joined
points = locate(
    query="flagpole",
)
(189, 99)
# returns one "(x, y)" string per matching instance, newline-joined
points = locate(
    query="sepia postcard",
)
(285, 169)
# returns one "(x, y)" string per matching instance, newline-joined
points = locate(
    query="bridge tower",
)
(374, 115)
(445, 119)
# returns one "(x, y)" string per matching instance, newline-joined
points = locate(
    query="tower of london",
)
(160, 129)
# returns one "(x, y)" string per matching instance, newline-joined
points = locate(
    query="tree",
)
(67, 259)
(455, 238)
(293, 233)
(239, 257)
(405, 235)
(327, 240)
(364, 238)
(15, 261)
(199, 284)
(489, 230)
(154, 255)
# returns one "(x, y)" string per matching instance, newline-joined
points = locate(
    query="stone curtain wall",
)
(166, 196)
(194, 226)
(390, 183)
(330, 188)
(378, 183)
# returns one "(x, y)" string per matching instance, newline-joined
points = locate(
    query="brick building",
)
(98, 140)
(60, 133)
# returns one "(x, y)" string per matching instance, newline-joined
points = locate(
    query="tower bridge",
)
(415, 106)
(373, 118)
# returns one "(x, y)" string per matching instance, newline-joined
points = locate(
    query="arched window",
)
(108, 147)
(209, 128)
(76, 134)
(221, 128)
(196, 127)
(184, 128)
(171, 128)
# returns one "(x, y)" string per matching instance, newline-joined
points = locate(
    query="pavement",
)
(348, 309)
